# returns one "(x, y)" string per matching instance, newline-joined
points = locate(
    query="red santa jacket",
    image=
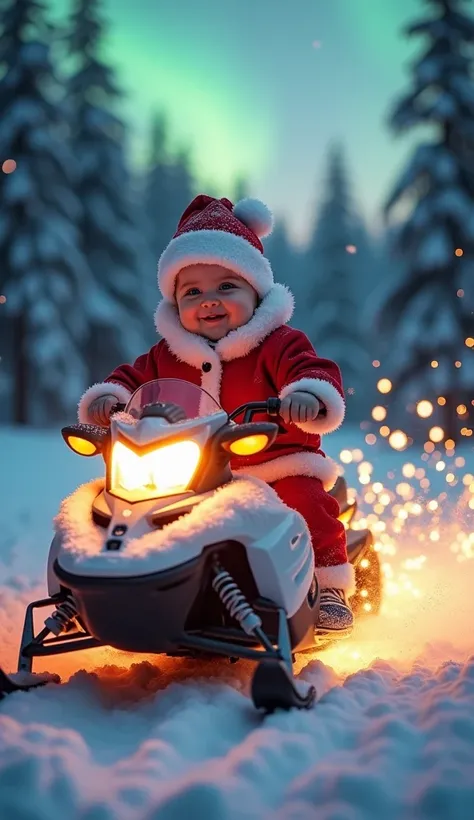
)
(263, 358)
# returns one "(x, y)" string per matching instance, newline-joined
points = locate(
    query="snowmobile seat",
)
(339, 492)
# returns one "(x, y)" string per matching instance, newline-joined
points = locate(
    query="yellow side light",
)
(249, 445)
(82, 446)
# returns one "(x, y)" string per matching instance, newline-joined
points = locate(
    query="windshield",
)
(192, 399)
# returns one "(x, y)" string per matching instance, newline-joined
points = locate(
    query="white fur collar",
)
(275, 310)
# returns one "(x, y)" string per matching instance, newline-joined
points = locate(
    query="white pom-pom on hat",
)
(255, 215)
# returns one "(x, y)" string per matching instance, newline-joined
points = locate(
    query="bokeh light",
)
(384, 385)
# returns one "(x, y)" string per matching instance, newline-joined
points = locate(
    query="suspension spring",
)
(63, 617)
(234, 601)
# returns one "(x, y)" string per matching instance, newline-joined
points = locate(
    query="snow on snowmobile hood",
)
(232, 512)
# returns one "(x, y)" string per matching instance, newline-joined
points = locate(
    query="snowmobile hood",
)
(246, 510)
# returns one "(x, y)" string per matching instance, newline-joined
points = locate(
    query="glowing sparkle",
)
(398, 440)
(436, 434)
(351, 249)
(384, 385)
(8, 166)
(459, 252)
(379, 413)
(424, 409)
(3, 299)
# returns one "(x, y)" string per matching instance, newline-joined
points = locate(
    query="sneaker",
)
(335, 614)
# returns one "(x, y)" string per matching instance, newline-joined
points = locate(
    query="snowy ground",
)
(391, 736)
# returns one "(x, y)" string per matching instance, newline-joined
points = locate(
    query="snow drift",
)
(131, 737)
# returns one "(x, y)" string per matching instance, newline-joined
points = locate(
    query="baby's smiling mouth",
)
(213, 317)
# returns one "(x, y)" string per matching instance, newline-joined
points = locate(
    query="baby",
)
(223, 322)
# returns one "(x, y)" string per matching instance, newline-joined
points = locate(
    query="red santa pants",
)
(320, 510)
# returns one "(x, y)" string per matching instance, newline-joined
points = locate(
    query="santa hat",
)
(216, 232)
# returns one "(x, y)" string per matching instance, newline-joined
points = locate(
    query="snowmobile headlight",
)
(166, 470)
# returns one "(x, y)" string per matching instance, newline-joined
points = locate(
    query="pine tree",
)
(426, 312)
(111, 233)
(42, 270)
(168, 187)
(333, 274)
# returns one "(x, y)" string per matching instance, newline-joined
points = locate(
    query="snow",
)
(392, 733)
(227, 508)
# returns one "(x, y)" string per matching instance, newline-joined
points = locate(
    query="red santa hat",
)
(216, 232)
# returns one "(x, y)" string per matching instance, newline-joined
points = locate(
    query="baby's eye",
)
(227, 286)
(192, 292)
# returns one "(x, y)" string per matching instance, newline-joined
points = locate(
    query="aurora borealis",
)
(261, 87)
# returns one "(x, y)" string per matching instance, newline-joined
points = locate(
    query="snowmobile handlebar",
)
(271, 407)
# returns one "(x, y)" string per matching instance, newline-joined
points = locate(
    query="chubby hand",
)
(299, 406)
(99, 410)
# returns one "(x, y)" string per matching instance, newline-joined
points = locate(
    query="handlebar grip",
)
(273, 406)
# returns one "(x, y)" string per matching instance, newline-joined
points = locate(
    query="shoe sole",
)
(333, 633)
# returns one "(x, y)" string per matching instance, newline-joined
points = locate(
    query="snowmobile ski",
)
(273, 687)
(23, 682)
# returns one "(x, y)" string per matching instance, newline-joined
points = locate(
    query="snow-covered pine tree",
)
(42, 270)
(426, 316)
(115, 302)
(168, 187)
(333, 279)
(285, 262)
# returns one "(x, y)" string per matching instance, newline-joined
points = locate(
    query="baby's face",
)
(212, 300)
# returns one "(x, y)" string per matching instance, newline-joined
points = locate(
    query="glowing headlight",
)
(166, 470)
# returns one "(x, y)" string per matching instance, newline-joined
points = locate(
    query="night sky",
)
(261, 87)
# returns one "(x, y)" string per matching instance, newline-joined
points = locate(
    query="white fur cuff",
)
(303, 463)
(100, 389)
(328, 395)
(342, 576)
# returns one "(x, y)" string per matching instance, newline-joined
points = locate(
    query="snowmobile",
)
(173, 553)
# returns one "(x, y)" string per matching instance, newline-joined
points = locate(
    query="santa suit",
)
(260, 359)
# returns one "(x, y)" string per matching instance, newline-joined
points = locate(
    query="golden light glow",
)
(384, 385)
(385, 431)
(345, 456)
(469, 342)
(249, 445)
(461, 409)
(459, 252)
(376, 363)
(379, 413)
(434, 363)
(441, 401)
(82, 446)
(398, 440)
(424, 409)
(436, 434)
(166, 470)
(8, 166)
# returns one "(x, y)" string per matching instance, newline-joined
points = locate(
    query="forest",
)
(81, 231)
